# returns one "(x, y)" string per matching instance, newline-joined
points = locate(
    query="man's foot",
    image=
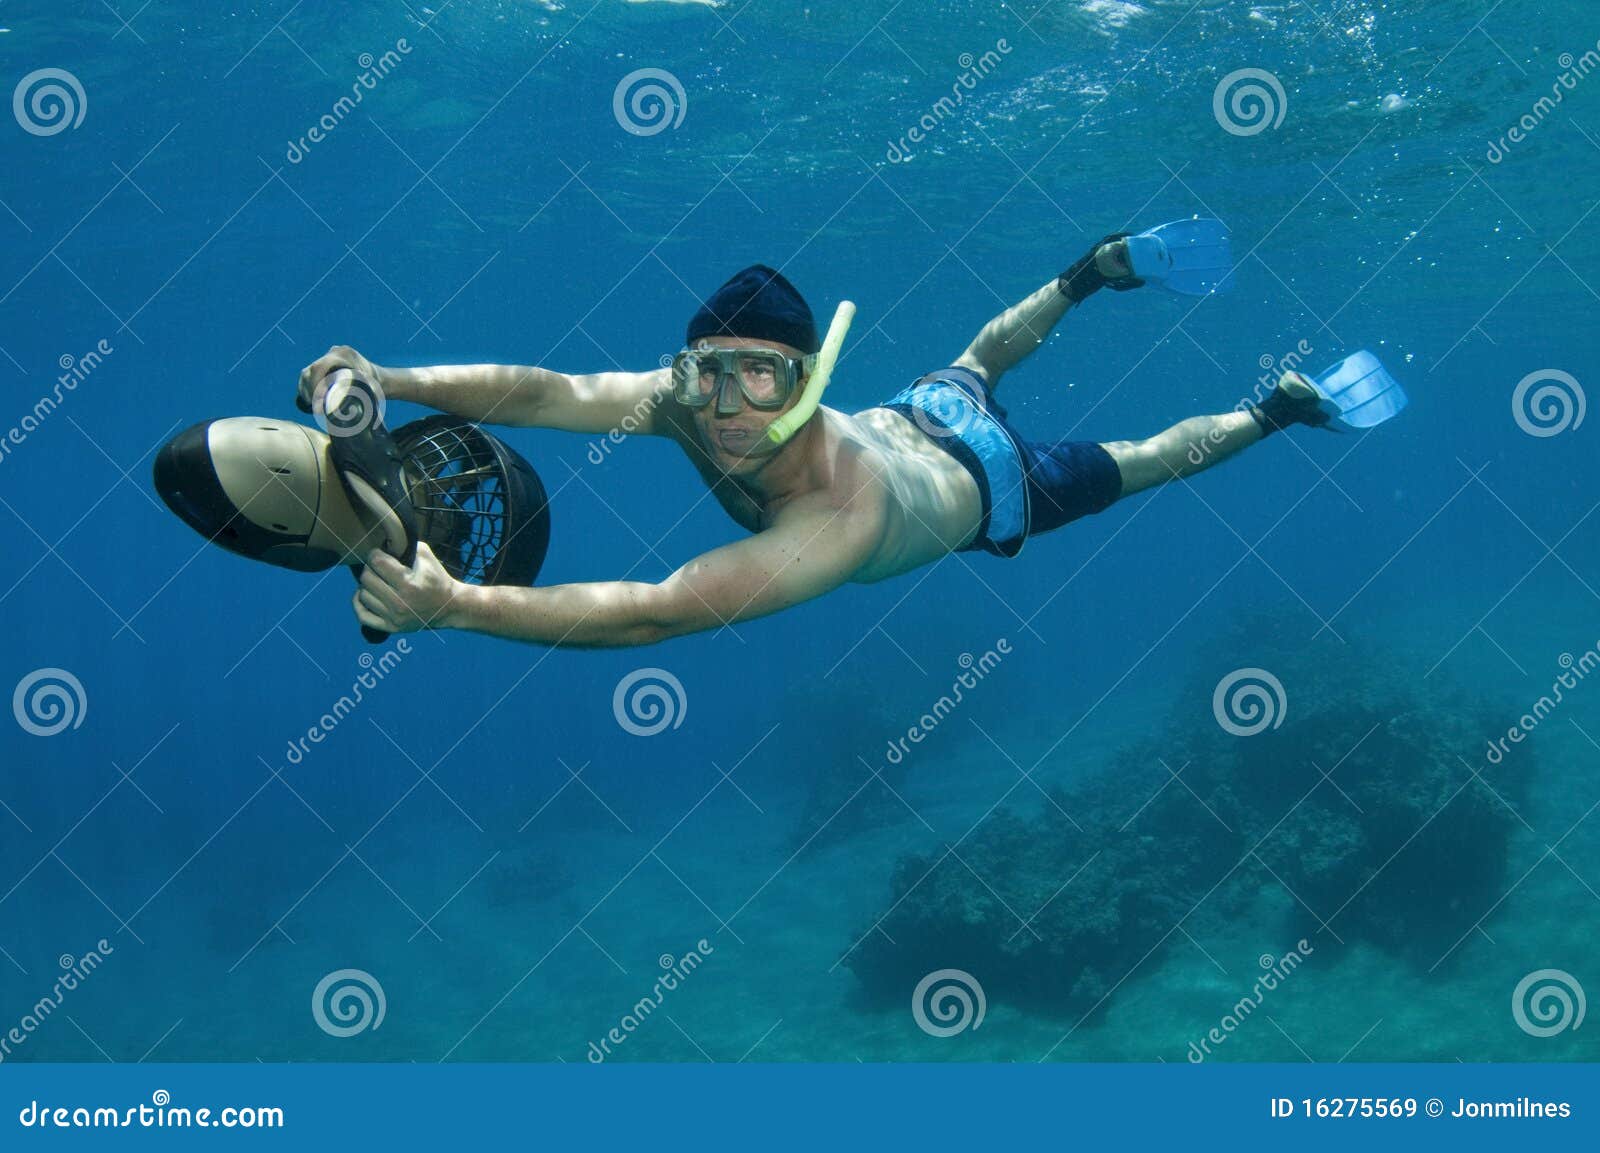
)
(1298, 385)
(1294, 401)
(1113, 261)
(1106, 265)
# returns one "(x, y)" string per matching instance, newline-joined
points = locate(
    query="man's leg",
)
(1007, 339)
(1194, 445)
(1188, 447)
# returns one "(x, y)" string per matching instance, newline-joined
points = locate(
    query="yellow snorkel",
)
(789, 423)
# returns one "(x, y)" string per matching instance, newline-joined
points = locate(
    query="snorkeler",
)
(828, 498)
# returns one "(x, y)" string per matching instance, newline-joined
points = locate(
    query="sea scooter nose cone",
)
(186, 480)
(248, 484)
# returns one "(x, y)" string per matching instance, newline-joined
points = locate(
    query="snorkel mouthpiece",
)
(789, 423)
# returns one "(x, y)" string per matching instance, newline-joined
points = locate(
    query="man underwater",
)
(847, 498)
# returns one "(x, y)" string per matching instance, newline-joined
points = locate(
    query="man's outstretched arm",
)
(807, 553)
(528, 396)
(510, 394)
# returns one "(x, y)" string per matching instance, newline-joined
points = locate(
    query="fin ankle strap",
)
(1084, 278)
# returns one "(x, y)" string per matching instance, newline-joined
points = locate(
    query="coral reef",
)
(845, 799)
(1357, 795)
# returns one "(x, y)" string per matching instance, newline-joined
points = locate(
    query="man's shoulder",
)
(855, 492)
(833, 523)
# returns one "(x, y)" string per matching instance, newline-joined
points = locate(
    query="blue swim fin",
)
(1191, 257)
(1358, 392)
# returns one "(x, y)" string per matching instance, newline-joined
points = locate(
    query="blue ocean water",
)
(486, 842)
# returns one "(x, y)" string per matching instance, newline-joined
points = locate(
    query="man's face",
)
(730, 429)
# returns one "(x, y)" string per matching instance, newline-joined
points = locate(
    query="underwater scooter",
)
(303, 499)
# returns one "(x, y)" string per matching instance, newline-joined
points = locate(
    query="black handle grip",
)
(371, 635)
(368, 455)
(324, 383)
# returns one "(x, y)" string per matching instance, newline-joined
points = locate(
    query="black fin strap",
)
(1264, 422)
(1084, 278)
(1279, 410)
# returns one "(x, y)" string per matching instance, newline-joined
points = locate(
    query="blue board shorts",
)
(1027, 487)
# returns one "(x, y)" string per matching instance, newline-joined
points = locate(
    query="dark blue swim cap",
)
(760, 304)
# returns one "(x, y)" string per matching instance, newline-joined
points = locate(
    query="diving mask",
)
(766, 377)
